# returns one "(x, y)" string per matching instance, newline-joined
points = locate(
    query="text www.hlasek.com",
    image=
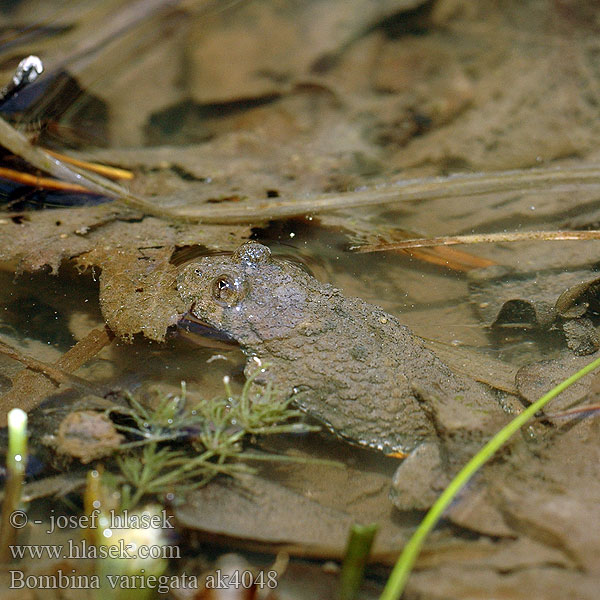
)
(76, 550)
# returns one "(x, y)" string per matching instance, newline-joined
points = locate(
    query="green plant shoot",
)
(16, 460)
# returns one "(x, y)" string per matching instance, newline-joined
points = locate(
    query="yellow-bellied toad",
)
(346, 362)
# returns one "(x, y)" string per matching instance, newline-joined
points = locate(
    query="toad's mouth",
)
(203, 334)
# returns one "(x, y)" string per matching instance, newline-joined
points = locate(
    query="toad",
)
(348, 363)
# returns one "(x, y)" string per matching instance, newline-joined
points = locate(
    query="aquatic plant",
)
(214, 432)
(16, 461)
(358, 549)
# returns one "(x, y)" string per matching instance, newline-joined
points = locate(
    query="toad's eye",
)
(227, 290)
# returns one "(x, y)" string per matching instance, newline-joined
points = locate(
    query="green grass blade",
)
(360, 542)
(399, 576)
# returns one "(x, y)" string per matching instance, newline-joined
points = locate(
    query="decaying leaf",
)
(554, 501)
(296, 523)
(87, 435)
(320, 530)
(259, 49)
(137, 290)
(33, 240)
(131, 253)
(536, 379)
(464, 581)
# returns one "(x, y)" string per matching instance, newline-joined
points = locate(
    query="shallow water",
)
(200, 107)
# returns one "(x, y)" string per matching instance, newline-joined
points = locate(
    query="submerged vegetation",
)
(16, 461)
(214, 431)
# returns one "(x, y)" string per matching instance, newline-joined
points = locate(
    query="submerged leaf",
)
(137, 290)
(131, 252)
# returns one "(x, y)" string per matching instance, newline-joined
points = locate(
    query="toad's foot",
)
(419, 480)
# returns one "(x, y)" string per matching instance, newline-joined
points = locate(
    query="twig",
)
(106, 170)
(51, 371)
(41, 182)
(526, 180)
(481, 238)
(580, 410)
(19, 145)
(29, 387)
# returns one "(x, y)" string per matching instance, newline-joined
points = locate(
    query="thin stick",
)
(41, 182)
(481, 238)
(106, 170)
(29, 388)
(393, 193)
(51, 371)
(571, 412)
(19, 145)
